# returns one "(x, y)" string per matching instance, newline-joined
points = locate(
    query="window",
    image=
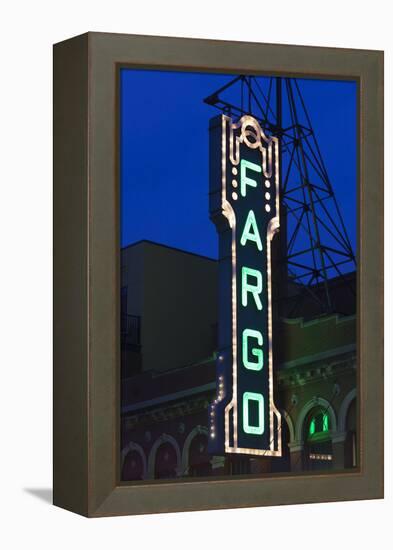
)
(318, 450)
(319, 423)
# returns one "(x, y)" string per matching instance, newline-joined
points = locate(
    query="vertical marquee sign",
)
(244, 206)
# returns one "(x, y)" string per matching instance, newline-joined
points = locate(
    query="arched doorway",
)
(198, 457)
(318, 450)
(283, 463)
(134, 464)
(166, 461)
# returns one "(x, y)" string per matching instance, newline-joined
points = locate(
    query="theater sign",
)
(244, 205)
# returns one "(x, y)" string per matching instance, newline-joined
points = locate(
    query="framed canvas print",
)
(218, 260)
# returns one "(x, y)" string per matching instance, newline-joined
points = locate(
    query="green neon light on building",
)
(244, 179)
(247, 235)
(260, 427)
(257, 352)
(255, 289)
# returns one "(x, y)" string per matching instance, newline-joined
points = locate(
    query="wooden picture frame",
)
(86, 273)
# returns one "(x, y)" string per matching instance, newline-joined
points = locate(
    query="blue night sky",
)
(164, 153)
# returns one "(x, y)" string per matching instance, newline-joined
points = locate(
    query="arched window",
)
(319, 424)
(317, 440)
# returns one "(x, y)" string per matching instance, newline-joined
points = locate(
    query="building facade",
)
(169, 342)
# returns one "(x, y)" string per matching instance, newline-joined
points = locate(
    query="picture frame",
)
(86, 387)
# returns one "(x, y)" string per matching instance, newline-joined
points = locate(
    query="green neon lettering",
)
(254, 289)
(251, 224)
(244, 179)
(260, 427)
(257, 352)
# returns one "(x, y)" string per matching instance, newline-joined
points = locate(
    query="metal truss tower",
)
(316, 253)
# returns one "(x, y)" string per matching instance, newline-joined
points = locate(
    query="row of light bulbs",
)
(219, 398)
